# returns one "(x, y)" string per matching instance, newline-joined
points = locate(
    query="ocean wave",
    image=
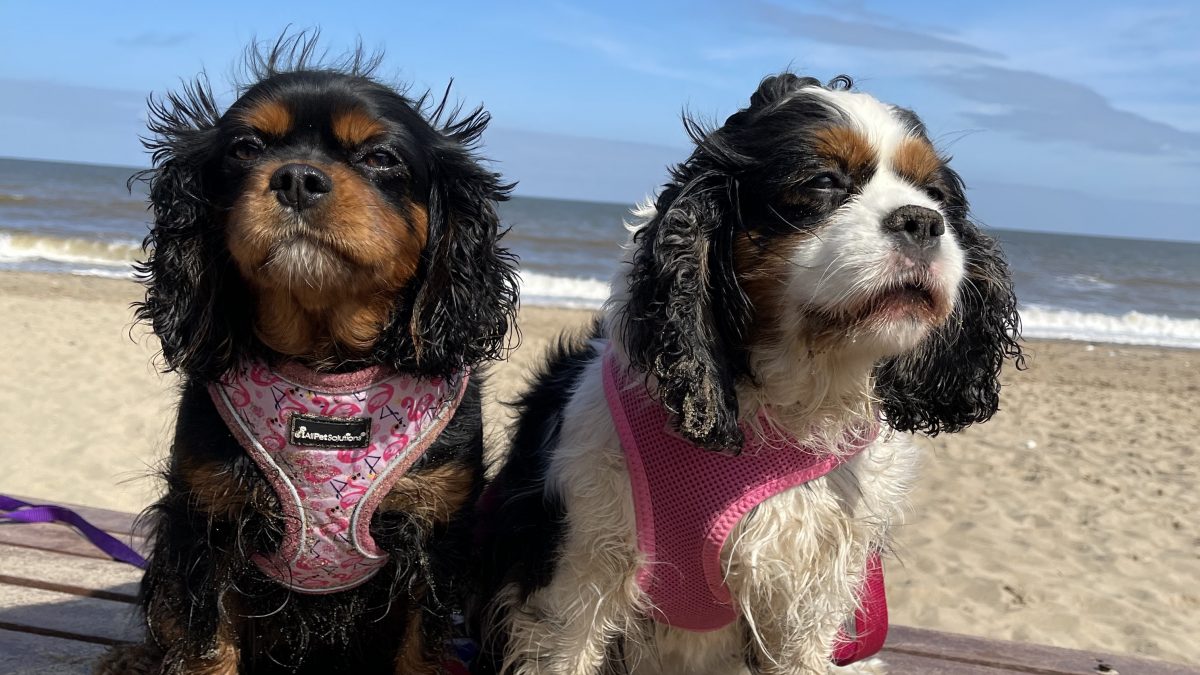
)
(22, 247)
(1085, 282)
(13, 198)
(1132, 328)
(107, 273)
(114, 260)
(1038, 321)
(555, 291)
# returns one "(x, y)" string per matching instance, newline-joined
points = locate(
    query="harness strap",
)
(681, 530)
(870, 621)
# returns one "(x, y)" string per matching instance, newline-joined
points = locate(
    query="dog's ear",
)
(463, 310)
(185, 267)
(952, 379)
(684, 318)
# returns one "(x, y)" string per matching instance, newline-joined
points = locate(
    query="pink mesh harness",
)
(687, 501)
(332, 447)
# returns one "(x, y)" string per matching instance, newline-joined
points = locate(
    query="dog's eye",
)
(379, 159)
(825, 181)
(246, 149)
(935, 194)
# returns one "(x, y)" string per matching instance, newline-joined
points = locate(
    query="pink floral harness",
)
(688, 500)
(332, 446)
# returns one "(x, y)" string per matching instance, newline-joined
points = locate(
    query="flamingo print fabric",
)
(329, 493)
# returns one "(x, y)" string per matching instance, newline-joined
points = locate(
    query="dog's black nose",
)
(916, 225)
(300, 185)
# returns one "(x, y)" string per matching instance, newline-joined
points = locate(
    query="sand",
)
(1070, 519)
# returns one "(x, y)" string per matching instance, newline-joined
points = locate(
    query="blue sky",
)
(1065, 116)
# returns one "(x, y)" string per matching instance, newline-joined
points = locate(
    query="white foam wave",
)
(1038, 321)
(109, 273)
(1132, 328)
(113, 259)
(555, 291)
(1085, 282)
(20, 247)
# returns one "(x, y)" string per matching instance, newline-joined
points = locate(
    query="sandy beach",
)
(1070, 519)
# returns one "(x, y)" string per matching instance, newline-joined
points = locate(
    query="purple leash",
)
(24, 512)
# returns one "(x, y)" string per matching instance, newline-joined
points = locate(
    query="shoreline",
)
(560, 290)
(1066, 520)
(89, 287)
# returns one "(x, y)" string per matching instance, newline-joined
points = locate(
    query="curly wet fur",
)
(202, 311)
(686, 318)
(207, 606)
(747, 288)
(678, 281)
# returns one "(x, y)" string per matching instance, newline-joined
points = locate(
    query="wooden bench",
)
(62, 602)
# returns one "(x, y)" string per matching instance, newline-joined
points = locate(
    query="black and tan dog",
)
(329, 224)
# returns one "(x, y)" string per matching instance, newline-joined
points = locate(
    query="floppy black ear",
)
(685, 316)
(468, 300)
(186, 265)
(953, 379)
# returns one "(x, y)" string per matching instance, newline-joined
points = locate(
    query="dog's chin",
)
(307, 265)
(891, 321)
(901, 305)
(899, 318)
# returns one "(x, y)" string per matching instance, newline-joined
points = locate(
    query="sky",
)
(1076, 117)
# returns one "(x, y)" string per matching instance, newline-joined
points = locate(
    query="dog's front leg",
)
(566, 627)
(187, 632)
(189, 595)
(794, 569)
(194, 624)
(549, 640)
(776, 647)
(791, 628)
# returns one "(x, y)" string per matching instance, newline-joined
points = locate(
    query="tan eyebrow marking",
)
(916, 160)
(846, 146)
(354, 126)
(270, 117)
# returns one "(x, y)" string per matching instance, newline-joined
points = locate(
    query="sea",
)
(81, 219)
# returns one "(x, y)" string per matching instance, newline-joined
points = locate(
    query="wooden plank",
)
(70, 589)
(1019, 657)
(19, 566)
(52, 581)
(896, 663)
(61, 634)
(25, 654)
(59, 611)
(60, 538)
(87, 619)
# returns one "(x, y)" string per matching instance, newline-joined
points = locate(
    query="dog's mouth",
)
(299, 237)
(291, 228)
(908, 300)
(907, 295)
